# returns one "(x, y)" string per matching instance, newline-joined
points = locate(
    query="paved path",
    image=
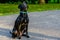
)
(42, 26)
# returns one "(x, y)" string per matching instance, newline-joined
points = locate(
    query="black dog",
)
(21, 26)
(21, 23)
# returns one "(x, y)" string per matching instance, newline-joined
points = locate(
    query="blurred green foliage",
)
(29, 1)
(8, 9)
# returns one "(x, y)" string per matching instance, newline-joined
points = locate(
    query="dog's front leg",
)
(19, 35)
(27, 31)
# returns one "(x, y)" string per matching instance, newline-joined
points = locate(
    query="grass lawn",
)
(8, 9)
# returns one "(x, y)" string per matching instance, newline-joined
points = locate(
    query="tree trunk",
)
(46, 1)
(57, 1)
(41, 1)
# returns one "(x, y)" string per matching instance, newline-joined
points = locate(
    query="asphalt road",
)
(42, 26)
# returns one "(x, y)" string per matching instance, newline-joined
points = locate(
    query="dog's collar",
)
(23, 12)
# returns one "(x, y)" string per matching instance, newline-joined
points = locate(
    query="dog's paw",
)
(13, 37)
(23, 34)
(19, 37)
(27, 36)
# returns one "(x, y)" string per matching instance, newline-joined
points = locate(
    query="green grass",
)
(8, 9)
(44, 7)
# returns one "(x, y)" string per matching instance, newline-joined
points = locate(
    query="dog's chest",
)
(24, 20)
